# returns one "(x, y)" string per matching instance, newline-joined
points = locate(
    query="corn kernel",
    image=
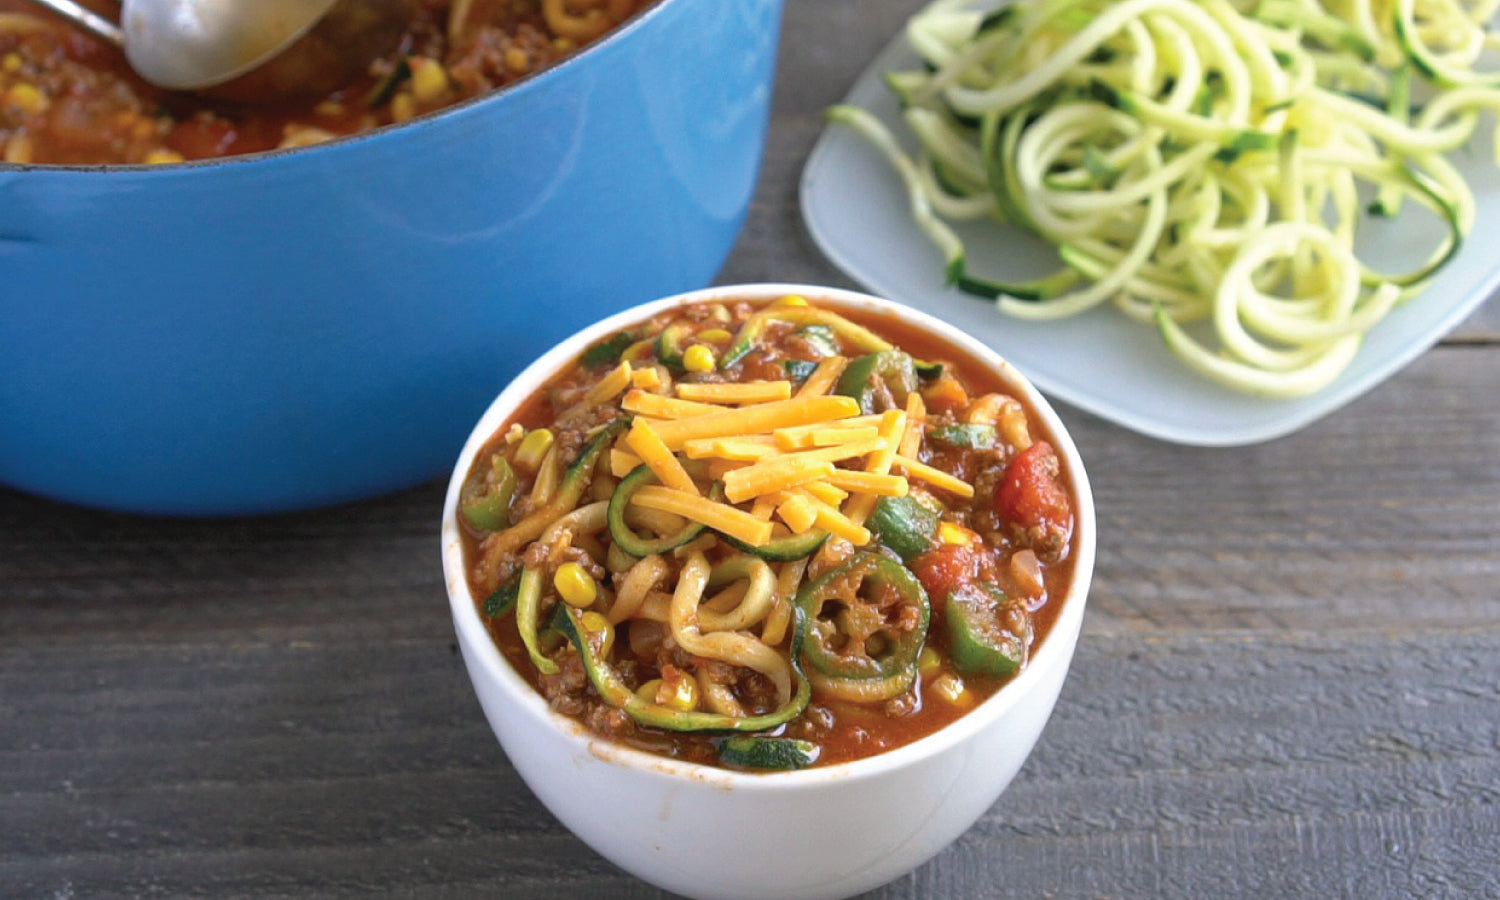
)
(516, 60)
(162, 156)
(952, 689)
(429, 81)
(715, 335)
(949, 533)
(25, 97)
(304, 136)
(698, 358)
(792, 300)
(647, 691)
(929, 662)
(597, 625)
(403, 107)
(19, 150)
(576, 587)
(533, 449)
(677, 690)
(11, 62)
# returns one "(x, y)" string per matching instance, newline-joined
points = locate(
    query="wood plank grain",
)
(1244, 765)
(1255, 766)
(1386, 511)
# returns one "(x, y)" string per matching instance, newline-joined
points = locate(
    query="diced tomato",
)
(203, 137)
(944, 568)
(1030, 494)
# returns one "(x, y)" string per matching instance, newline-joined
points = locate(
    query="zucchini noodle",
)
(1203, 166)
(733, 647)
(639, 578)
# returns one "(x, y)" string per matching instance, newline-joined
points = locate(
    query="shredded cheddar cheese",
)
(718, 516)
(764, 506)
(663, 407)
(823, 490)
(823, 378)
(935, 477)
(916, 421)
(797, 512)
(799, 437)
(744, 447)
(622, 462)
(735, 392)
(610, 386)
(642, 438)
(788, 462)
(772, 475)
(868, 483)
(757, 419)
(647, 379)
(892, 426)
(836, 522)
(837, 452)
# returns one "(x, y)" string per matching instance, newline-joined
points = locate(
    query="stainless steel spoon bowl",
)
(194, 44)
(204, 45)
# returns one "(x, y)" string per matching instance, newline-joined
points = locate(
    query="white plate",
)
(1116, 368)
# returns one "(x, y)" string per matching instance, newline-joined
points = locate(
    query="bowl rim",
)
(1055, 650)
(524, 83)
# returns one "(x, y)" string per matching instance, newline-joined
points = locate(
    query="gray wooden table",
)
(1288, 683)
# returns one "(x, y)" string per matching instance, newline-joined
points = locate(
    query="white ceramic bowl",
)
(816, 833)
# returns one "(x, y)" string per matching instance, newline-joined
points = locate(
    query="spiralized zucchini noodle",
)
(1197, 161)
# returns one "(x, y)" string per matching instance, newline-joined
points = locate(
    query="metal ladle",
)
(247, 49)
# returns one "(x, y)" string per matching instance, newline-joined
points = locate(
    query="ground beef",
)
(565, 688)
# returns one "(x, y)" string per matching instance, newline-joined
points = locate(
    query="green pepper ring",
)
(899, 657)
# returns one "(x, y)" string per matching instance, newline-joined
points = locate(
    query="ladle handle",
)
(86, 19)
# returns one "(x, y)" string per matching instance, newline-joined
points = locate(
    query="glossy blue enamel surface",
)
(300, 329)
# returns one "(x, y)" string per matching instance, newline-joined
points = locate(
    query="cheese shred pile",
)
(771, 450)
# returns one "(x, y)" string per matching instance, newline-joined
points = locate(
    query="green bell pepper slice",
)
(863, 625)
(863, 378)
(485, 498)
(904, 526)
(979, 639)
(965, 436)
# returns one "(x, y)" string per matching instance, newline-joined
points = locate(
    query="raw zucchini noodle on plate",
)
(1204, 166)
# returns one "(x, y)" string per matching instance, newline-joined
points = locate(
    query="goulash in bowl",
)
(769, 537)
